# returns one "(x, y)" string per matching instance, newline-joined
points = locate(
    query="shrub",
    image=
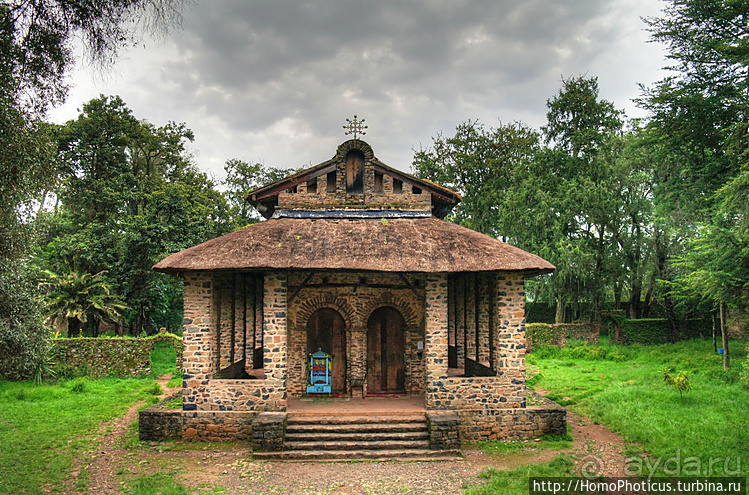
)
(744, 373)
(680, 381)
(24, 340)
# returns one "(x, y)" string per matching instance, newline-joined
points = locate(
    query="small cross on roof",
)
(355, 127)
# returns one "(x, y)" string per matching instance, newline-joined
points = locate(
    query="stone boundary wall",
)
(160, 423)
(102, 357)
(512, 424)
(559, 333)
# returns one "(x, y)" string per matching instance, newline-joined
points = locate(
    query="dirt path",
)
(109, 456)
(229, 469)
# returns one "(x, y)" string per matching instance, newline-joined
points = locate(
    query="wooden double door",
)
(386, 342)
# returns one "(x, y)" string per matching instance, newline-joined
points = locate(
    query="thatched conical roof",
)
(394, 245)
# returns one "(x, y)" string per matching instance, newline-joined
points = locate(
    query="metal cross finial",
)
(355, 127)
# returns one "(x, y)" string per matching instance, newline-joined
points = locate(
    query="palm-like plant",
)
(78, 296)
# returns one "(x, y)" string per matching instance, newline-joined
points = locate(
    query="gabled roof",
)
(424, 245)
(265, 198)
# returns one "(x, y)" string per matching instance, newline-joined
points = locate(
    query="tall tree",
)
(131, 196)
(35, 55)
(581, 126)
(481, 165)
(701, 114)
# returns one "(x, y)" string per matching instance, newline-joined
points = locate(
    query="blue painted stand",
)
(320, 381)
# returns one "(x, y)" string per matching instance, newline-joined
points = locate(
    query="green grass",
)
(44, 428)
(515, 481)
(163, 359)
(157, 484)
(547, 442)
(706, 433)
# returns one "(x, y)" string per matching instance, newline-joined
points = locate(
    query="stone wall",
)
(512, 424)
(559, 334)
(378, 188)
(101, 357)
(444, 430)
(160, 423)
(504, 326)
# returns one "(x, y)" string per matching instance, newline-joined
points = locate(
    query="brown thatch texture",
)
(393, 245)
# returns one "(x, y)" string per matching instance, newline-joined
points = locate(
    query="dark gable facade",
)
(354, 258)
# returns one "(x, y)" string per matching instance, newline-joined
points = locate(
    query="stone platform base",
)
(446, 428)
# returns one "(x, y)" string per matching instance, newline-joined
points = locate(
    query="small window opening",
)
(397, 186)
(291, 190)
(416, 190)
(330, 187)
(312, 186)
(378, 183)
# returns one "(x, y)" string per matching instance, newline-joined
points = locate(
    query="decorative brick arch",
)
(410, 315)
(325, 300)
(354, 144)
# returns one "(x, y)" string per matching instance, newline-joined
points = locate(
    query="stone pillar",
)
(436, 339)
(198, 338)
(275, 332)
(510, 325)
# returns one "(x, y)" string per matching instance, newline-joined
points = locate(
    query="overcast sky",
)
(274, 81)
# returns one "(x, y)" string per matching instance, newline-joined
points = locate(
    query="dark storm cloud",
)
(279, 57)
(250, 76)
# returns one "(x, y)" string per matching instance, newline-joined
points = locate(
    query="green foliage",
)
(744, 374)
(659, 330)
(699, 125)
(680, 381)
(24, 341)
(75, 297)
(481, 165)
(243, 177)
(581, 350)
(78, 386)
(629, 397)
(163, 359)
(130, 197)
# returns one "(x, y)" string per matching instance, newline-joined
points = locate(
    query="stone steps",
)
(380, 419)
(339, 444)
(377, 437)
(342, 429)
(373, 455)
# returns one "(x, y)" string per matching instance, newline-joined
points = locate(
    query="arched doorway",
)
(326, 330)
(386, 351)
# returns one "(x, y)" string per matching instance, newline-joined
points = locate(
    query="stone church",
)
(354, 259)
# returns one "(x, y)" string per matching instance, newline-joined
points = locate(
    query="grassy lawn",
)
(44, 429)
(706, 433)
